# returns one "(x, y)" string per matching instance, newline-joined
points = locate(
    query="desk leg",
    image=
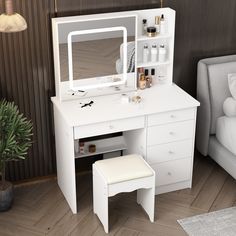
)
(65, 159)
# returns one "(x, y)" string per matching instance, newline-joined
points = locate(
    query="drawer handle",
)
(169, 173)
(171, 152)
(172, 116)
(171, 133)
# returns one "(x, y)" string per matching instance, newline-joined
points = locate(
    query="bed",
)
(212, 90)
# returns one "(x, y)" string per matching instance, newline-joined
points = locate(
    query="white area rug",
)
(220, 223)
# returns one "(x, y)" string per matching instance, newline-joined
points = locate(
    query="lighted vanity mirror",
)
(95, 53)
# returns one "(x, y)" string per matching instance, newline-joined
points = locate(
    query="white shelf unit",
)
(106, 145)
(167, 39)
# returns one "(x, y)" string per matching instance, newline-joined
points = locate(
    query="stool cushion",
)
(123, 168)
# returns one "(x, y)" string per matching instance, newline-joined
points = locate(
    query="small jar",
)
(151, 31)
(142, 82)
(92, 148)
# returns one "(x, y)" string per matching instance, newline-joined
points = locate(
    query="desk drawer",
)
(170, 133)
(169, 151)
(172, 116)
(108, 127)
(173, 171)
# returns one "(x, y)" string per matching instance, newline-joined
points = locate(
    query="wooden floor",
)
(41, 209)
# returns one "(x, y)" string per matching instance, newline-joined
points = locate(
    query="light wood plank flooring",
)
(40, 209)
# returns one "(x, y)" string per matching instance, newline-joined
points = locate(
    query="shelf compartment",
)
(103, 146)
(150, 64)
(146, 38)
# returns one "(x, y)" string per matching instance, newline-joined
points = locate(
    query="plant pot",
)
(6, 196)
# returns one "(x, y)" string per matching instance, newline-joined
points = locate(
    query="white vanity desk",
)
(161, 128)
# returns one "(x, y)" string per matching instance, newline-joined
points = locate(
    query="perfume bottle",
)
(154, 53)
(144, 27)
(157, 24)
(148, 79)
(162, 53)
(142, 82)
(153, 76)
(162, 25)
(145, 53)
(140, 72)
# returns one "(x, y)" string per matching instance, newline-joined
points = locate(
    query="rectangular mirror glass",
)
(92, 52)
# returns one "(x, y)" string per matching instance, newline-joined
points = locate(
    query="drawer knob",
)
(111, 126)
(169, 173)
(171, 133)
(172, 116)
(171, 152)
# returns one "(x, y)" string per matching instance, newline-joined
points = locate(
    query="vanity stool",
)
(122, 174)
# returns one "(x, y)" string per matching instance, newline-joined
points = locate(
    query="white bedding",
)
(226, 132)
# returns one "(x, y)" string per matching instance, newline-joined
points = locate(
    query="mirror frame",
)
(98, 85)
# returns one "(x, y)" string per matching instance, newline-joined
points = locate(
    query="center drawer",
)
(172, 171)
(108, 127)
(170, 132)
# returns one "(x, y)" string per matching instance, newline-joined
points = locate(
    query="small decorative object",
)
(81, 147)
(15, 140)
(11, 21)
(151, 31)
(136, 99)
(92, 148)
(124, 98)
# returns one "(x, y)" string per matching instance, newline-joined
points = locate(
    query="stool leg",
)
(100, 199)
(146, 198)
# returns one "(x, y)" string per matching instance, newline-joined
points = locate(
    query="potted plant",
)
(15, 140)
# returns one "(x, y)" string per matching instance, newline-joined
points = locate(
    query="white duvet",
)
(226, 132)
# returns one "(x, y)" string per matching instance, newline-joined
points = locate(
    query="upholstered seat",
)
(123, 168)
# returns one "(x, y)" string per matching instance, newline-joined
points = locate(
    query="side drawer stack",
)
(170, 138)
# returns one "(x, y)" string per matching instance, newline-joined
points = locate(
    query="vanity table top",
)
(157, 99)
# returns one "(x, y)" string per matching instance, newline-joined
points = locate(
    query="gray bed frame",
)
(212, 90)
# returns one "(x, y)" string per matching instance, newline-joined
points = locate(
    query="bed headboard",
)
(212, 90)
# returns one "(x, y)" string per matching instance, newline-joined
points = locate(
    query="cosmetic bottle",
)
(153, 76)
(145, 53)
(142, 82)
(162, 25)
(154, 53)
(162, 53)
(157, 24)
(148, 79)
(144, 27)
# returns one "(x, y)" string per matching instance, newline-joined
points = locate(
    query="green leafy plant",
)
(15, 136)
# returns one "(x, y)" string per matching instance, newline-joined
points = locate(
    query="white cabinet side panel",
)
(65, 159)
